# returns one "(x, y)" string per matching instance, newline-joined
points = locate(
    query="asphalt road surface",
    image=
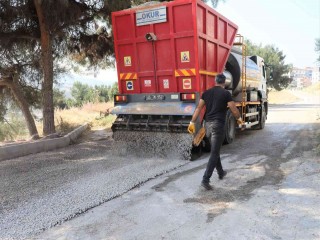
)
(272, 190)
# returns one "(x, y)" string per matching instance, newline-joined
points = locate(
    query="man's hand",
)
(240, 121)
(191, 128)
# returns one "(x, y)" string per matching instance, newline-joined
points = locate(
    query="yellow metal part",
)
(208, 73)
(240, 42)
(199, 136)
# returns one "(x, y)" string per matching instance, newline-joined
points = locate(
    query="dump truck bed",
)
(192, 45)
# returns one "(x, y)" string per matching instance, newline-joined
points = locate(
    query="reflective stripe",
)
(128, 76)
(185, 72)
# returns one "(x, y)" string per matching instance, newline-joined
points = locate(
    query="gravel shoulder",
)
(42, 190)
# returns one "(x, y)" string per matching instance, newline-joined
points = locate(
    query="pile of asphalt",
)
(153, 144)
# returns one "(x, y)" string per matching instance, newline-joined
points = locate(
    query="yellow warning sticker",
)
(127, 61)
(185, 56)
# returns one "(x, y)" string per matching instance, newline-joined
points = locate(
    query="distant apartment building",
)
(304, 77)
(316, 75)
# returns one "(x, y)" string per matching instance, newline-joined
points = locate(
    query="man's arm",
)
(235, 112)
(198, 110)
(191, 128)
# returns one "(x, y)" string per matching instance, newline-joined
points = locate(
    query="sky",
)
(290, 25)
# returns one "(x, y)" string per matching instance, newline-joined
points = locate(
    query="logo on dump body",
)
(151, 16)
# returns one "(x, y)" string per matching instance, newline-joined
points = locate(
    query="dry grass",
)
(69, 119)
(94, 114)
(289, 96)
(282, 97)
(313, 89)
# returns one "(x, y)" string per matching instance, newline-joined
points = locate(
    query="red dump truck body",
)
(192, 45)
(168, 54)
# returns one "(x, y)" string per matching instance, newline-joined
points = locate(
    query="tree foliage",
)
(19, 79)
(83, 93)
(56, 28)
(3, 104)
(59, 99)
(277, 70)
(317, 49)
(214, 2)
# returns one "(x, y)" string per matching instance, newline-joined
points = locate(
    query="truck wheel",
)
(262, 119)
(229, 128)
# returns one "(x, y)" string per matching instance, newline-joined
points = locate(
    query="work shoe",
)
(206, 185)
(222, 175)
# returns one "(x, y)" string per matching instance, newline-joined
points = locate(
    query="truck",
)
(167, 54)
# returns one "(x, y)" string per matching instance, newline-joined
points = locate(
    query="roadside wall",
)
(42, 145)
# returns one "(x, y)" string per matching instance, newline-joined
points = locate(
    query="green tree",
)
(12, 124)
(92, 95)
(71, 103)
(56, 28)
(317, 49)
(3, 103)
(80, 93)
(83, 93)
(20, 81)
(275, 62)
(113, 90)
(213, 2)
(103, 93)
(59, 99)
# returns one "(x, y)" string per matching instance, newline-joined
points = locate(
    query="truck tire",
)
(229, 128)
(262, 119)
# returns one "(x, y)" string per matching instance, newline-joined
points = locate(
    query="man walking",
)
(216, 100)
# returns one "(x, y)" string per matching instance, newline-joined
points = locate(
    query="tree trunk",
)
(47, 68)
(23, 104)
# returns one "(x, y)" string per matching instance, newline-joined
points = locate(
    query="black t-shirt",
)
(216, 100)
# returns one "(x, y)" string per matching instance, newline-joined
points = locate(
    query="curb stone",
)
(23, 149)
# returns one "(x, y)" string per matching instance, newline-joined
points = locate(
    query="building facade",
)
(304, 77)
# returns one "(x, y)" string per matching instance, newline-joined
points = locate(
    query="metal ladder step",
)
(250, 124)
(251, 114)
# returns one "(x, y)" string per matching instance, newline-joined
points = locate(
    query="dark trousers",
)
(215, 132)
